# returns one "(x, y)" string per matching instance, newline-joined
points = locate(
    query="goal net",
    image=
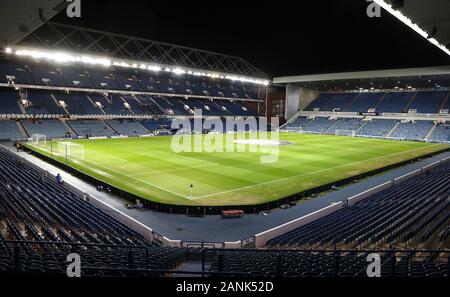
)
(71, 150)
(39, 140)
(351, 133)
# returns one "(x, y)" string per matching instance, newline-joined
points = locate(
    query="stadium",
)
(145, 159)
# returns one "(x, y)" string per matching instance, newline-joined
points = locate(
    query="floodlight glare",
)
(178, 71)
(61, 57)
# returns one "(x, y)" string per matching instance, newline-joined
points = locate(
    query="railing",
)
(389, 258)
(218, 257)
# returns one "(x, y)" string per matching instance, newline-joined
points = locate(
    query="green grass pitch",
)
(149, 168)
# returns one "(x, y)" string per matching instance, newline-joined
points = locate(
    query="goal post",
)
(71, 150)
(341, 132)
(39, 140)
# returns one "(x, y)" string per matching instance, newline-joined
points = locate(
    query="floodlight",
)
(178, 71)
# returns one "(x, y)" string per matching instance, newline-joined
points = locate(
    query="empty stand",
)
(319, 102)
(43, 222)
(441, 133)
(91, 128)
(128, 127)
(42, 103)
(377, 128)
(412, 131)
(49, 128)
(428, 102)
(318, 125)
(10, 131)
(364, 101)
(9, 102)
(405, 213)
(395, 102)
(79, 104)
(345, 124)
(339, 101)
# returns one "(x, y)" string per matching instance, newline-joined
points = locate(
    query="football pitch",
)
(149, 167)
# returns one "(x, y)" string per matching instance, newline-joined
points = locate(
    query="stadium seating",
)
(91, 128)
(35, 208)
(447, 103)
(44, 75)
(42, 103)
(428, 102)
(135, 105)
(49, 128)
(297, 124)
(147, 105)
(122, 79)
(395, 102)
(318, 125)
(19, 72)
(235, 108)
(412, 131)
(128, 127)
(278, 263)
(364, 101)
(405, 213)
(339, 101)
(10, 131)
(127, 82)
(154, 124)
(9, 102)
(441, 133)
(78, 104)
(319, 102)
(345, 124)
(376, 128)
(111, 105)
(172, 106)
(76, 78)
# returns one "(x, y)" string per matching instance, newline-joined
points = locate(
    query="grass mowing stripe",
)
(308, 173)
(151, 170)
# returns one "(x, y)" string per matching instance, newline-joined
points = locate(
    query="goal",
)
(351, 133)
(71, 150)
(39, 140)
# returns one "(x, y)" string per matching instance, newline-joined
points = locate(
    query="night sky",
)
(279, 37)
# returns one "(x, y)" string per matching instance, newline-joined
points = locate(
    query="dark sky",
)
(279, 37)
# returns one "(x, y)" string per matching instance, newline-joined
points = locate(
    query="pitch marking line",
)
(303, 174)
(142, 181)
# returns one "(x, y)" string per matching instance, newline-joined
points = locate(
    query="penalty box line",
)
(141, 181)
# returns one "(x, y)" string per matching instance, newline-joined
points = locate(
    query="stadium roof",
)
(57, 36)
(19, 18)
(430, 19)
(425, 77)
